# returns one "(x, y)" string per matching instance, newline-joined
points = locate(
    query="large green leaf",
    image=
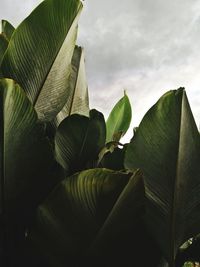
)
(77, 101)
(26, 164)
(119, 120)
(7, 29)
(40, 52)
(79, 139)
(68, 221)
(167, 149)
(122, 239)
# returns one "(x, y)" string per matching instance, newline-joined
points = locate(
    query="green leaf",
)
(167, 149)
(79, 139)
(3, 46)
(119, 120)
(68, 221)
(7, 29)
(120, 227)
(26, 164)
(77, 101)
(40, 52)
(114, 160)
(122, 239)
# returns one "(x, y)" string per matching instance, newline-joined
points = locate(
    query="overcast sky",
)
(144, 46)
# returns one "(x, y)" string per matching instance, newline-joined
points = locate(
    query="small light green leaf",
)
(119, 120)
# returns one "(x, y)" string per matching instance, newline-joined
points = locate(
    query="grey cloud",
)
(16, 10)
(146, 46)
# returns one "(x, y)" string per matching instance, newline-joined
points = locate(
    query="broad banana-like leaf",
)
(166, 147)
(77, 101)
(3, 46)
(40, 52)
(7, 29)
(79, 139)
(119, 120)
(68, 221)
(26, 165)
(122, 239)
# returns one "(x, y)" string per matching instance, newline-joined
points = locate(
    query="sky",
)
(144, 46)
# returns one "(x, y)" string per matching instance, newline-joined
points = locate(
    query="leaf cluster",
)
(70, 193)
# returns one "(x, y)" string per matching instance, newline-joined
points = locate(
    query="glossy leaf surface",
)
(77, 100)
(166, 147)
(40, 52)
(119, 120)
(79, 139)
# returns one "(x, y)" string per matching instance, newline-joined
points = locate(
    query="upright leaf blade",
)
(77, 101)
(42, 65)
(26, 166)
(79, 139)
(119, 120)
(167, 149)
(7, 29)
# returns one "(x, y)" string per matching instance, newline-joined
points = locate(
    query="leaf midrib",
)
(59, 49)
(174, 207)
(118, 119)
(75, 87)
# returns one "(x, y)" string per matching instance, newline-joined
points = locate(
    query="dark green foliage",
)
(57, 208)
(78, 141)
(73, 214)
(114, 159)
(166, 147)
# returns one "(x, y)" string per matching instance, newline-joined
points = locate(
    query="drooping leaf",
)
(77, 101)
(3, 46)
(119, 120)
(114, 160)
(166, 147)
(7, 29)
(79, 139)
(122, 239)
(70, 218)
(109, 147)
(40, 52)
(26, 165)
